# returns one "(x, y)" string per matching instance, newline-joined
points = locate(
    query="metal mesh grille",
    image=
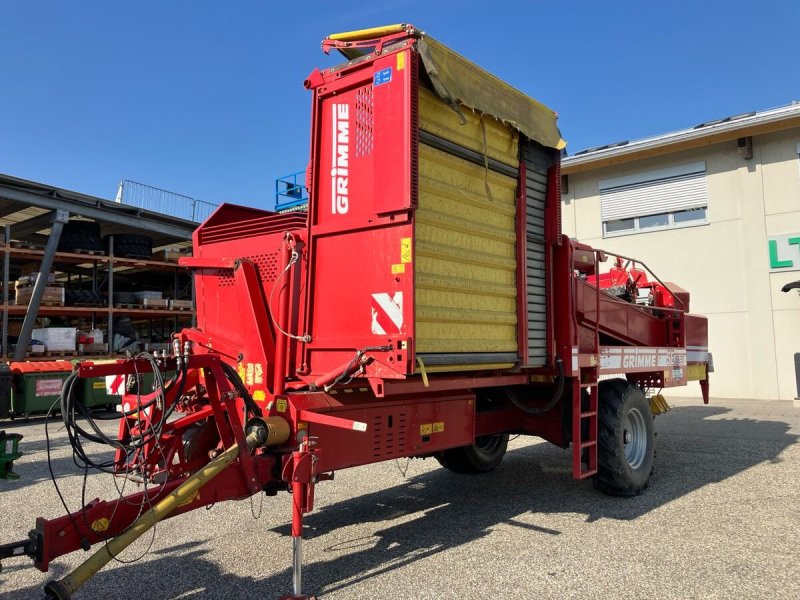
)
(364, 121)
(388, 435)
(267, 265)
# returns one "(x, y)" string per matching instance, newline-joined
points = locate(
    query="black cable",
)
(539, 410)
(72, 410)
(84, 542)
(238, 384)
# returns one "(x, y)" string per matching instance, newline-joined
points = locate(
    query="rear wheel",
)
(481, 457)
(625, 439)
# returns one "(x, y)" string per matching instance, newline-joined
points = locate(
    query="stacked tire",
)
(130, 245)
(73, 297)
(80, 235)
(124, 298)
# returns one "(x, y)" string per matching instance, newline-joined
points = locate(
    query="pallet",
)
(90, 304)
(42, 303)
(58, 353)
(89, 252)
(26, 245)
(93, 348)
(129, 305)
(181, 305)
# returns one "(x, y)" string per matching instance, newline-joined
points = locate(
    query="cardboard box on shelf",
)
(171, 254)
(53, 294)
(155, 303)
(181, 305)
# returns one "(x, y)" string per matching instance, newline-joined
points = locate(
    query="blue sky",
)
(206, 98)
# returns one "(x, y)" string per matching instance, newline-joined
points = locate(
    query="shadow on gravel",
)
(187, 576)
(696, 446)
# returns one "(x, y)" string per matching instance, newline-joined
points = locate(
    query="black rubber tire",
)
(124, 298)
(481, 457)
(80, 235)
(616, 475)
(82, 297)
(131, 245)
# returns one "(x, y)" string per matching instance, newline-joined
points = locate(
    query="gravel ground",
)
(720, 520)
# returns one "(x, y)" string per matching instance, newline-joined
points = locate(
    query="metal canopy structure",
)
(28, 206)
(35, 213)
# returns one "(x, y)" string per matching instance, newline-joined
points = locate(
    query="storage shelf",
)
(75, 258)
(50, 311)
(82, 357)
(96, 266)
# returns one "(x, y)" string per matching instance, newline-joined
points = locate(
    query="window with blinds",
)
(660, 199)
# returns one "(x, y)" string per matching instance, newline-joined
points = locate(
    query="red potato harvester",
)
(426, 305)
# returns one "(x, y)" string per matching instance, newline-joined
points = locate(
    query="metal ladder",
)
(588, 379)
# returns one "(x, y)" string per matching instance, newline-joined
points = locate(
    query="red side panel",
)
(364, 159)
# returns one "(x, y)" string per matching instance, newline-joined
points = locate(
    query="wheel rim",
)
(488, 443)
(634, 436)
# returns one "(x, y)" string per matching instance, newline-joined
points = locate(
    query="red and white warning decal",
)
(387, 313)
(115, 385)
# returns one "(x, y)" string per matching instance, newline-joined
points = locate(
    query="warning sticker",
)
(249, 374)
(115, 385)
(100, 525)
(280, 405)
(387, 313)
(397, 269)
(426, 429)
(438, 427)
(401, 61)
(405, 250)
(259, 395)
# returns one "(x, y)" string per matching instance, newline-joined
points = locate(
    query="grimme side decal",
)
(340, 200)
(387, 313)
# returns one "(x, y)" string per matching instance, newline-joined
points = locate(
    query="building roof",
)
(27, 206)
(704, 134)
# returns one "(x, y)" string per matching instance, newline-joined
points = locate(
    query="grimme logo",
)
(340, 201)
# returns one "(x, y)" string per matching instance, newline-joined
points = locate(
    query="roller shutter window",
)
(654, 200)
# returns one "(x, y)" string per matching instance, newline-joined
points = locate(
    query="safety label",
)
(387, 313)
(115, 385)
(429, 428)
(405, 250)
(383, 76)
(100, 525)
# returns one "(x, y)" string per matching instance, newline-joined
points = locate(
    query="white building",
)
(716, 209)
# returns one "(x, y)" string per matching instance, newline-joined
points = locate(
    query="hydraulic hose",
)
(539, 410)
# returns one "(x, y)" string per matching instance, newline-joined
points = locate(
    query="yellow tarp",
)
(462, 83)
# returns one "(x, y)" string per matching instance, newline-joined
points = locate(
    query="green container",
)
(107, 391)
(93, 392)
(37, 385)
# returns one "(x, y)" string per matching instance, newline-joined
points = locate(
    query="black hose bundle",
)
(72, 409)
(539, 410)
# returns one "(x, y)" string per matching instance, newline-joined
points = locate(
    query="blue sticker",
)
(383, 76)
